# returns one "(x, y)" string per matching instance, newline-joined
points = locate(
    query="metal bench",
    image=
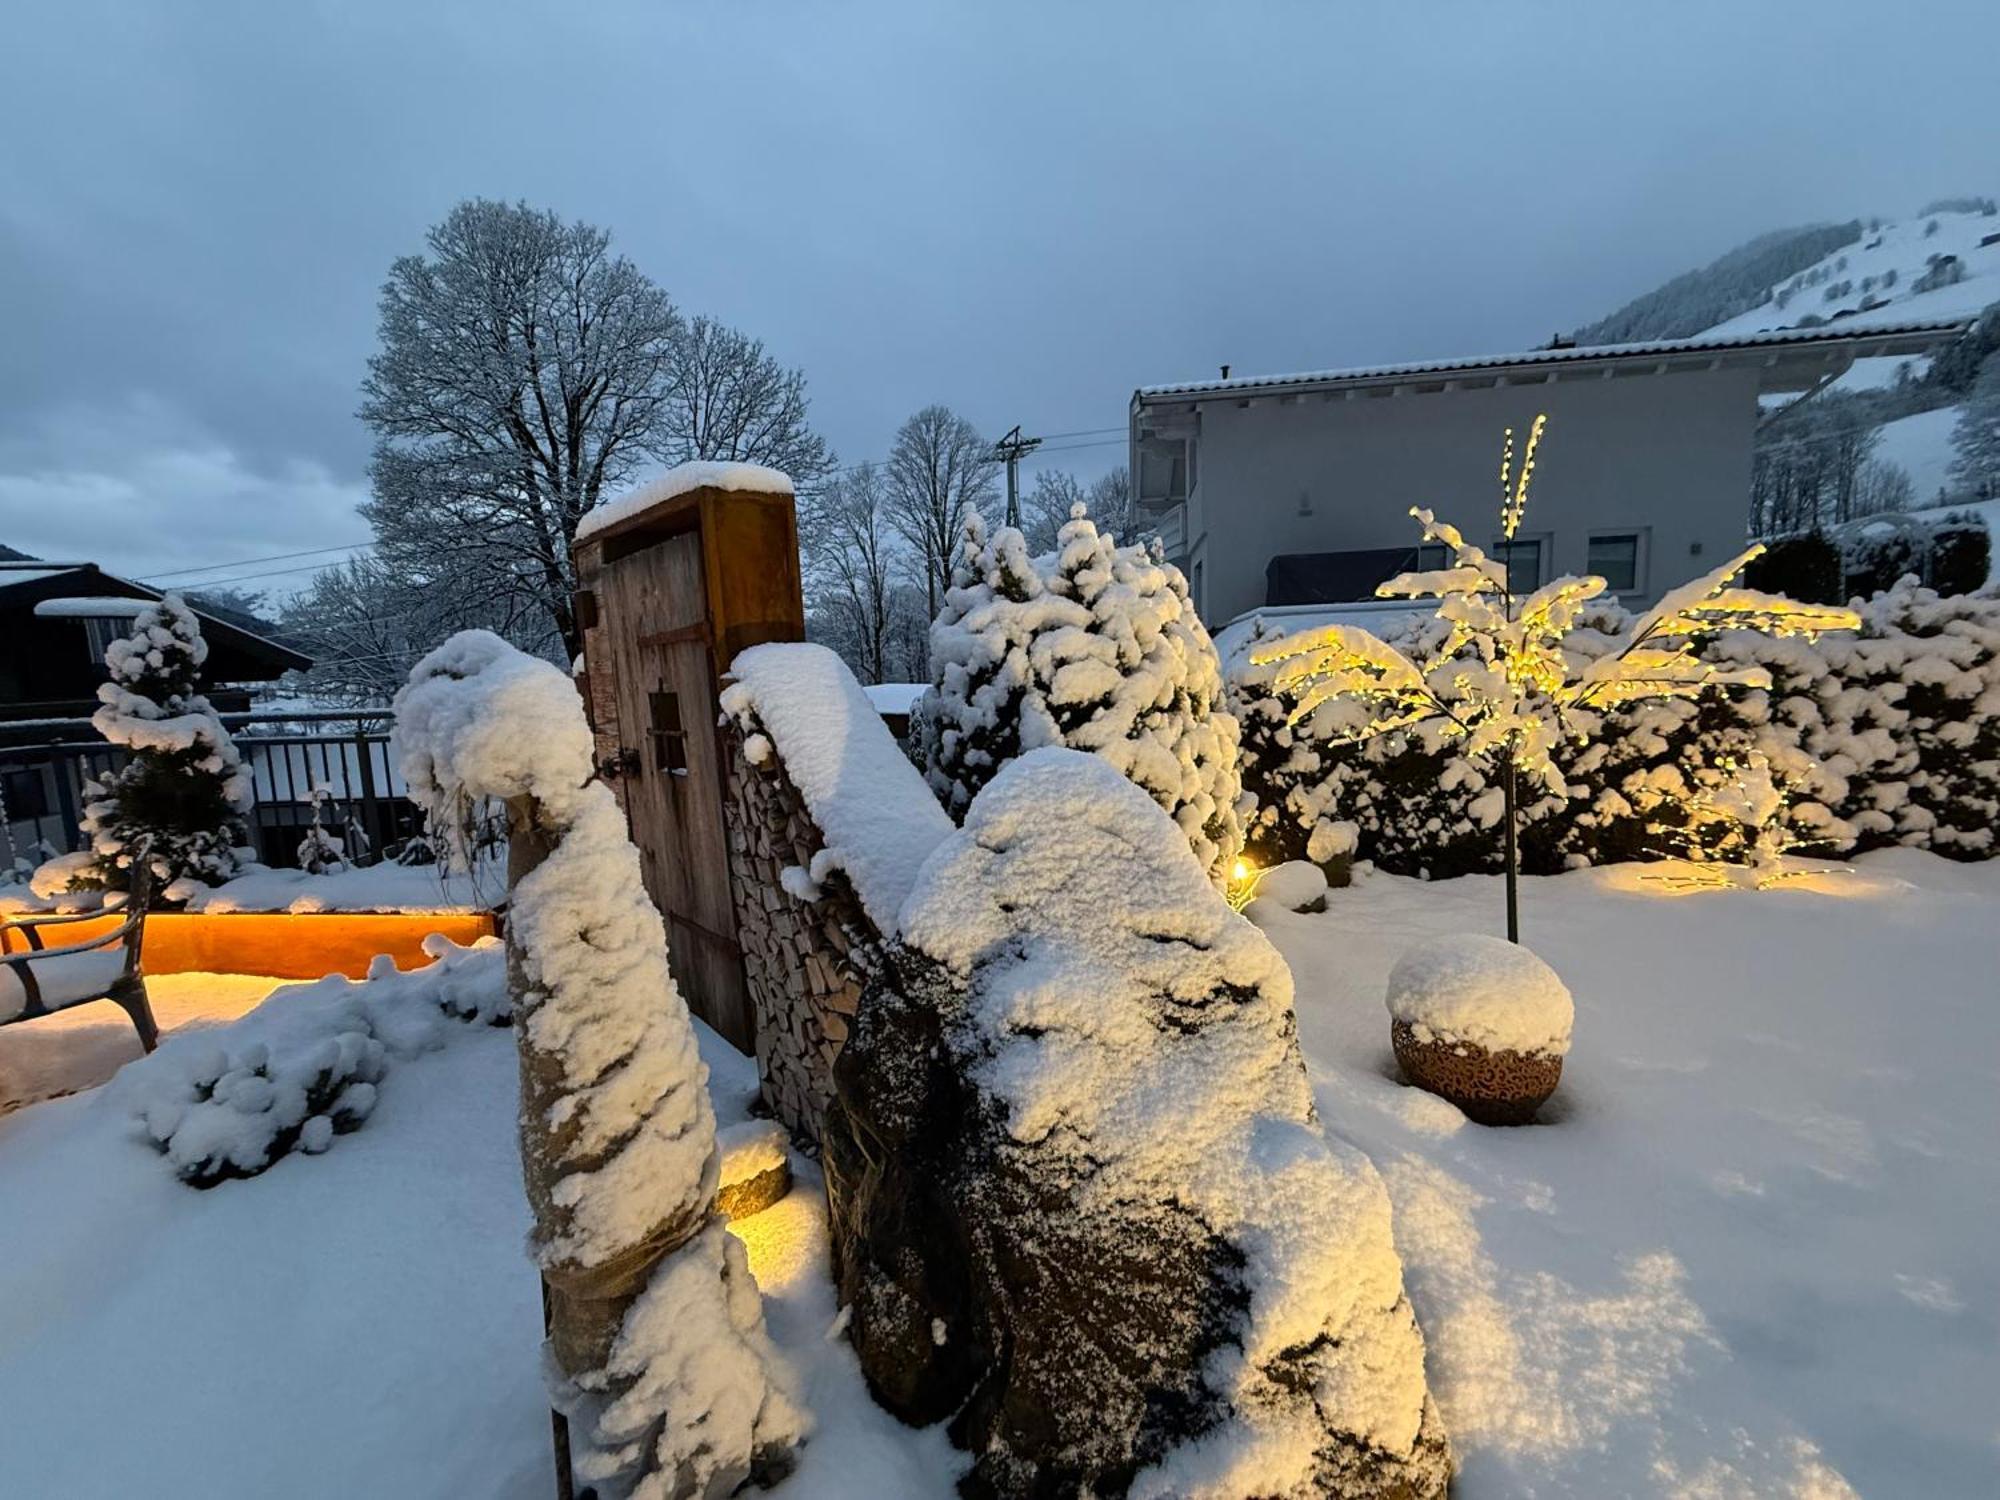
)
(39, 980)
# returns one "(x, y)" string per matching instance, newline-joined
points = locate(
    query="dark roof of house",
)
(25, 581)
(1866, 342)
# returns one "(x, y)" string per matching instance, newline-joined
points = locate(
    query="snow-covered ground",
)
(83, 1046)
(1749, 1253)
(1920, 445)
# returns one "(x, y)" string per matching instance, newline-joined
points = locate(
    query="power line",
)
(244, 562)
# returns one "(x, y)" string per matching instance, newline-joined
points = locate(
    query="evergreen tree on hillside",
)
(1975, 439)
(1731, 284)
(183, 791)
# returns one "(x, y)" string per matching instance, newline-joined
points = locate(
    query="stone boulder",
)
(1081, 1203)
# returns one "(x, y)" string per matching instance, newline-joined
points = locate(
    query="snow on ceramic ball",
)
(1481, 1022)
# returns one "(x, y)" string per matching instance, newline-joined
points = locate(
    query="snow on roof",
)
(894, 697)
(679, 481)
(1232, 641)
(1917, 336)
(879, 819)
(106, 608)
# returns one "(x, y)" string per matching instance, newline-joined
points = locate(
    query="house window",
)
(101, 633)
(1523, 557)
(1616, 557)
(1432, 557)
(1164, 465)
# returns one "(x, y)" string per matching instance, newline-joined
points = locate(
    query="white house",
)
(1296, 489)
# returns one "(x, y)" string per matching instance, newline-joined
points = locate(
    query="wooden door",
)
(655, 610)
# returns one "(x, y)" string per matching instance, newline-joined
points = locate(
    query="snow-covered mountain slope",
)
(1939, 265)
(1931, 267)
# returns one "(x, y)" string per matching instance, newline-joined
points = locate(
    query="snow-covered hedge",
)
(304, 1066)
(1094, 646)
(1888, 736)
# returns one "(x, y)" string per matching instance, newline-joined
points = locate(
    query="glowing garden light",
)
(1500, 680)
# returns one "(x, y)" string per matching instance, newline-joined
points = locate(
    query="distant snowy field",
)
(1751, 1253)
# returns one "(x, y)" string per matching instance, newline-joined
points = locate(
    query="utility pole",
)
(1009, 450)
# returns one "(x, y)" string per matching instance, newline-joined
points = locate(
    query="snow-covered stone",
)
(1074, 1125)
(879, 820)
(1468, 987)
(1297, 885)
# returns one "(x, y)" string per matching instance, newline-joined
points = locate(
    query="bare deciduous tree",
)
(524, 370)
(939, 470)
(733, 402)
(1048, 507)
(850, 551)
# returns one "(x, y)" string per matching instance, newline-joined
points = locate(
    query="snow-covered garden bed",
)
(1747, 1254)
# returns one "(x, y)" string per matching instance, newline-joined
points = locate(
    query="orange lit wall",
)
(289, 945)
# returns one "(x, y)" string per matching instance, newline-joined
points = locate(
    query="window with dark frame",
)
(668, 734)
(1614, 557)
(1523, 557)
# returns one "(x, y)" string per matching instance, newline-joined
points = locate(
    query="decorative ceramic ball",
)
(1481, 1022)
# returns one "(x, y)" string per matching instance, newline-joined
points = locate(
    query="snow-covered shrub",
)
(1807, 566)
(184, 790)
(1096, 647)
(618, 1141)
(305, 1065)
(1888, 735)
(1080, 1196)
(321, 851)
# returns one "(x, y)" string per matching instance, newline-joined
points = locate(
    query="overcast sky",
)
(1021, 211)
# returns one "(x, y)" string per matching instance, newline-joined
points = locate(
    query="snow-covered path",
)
(1750, 1254)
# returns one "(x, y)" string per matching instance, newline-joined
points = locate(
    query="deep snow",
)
(1750, 1253)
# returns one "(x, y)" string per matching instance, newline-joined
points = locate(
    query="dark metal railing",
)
(44, 773)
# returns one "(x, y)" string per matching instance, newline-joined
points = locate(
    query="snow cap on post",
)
(680, 480)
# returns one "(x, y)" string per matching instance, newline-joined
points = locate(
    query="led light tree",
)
(1499, 681)
(1735, 828)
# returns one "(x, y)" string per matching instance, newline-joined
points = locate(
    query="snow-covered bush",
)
(1096, 647)
(305, 1065)
(618, 1141)
(183, 790)
(1888, 735)
(1081, 1199)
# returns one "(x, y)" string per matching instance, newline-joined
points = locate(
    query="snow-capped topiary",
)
(1485, 990)
(618, 1140)
(1096, 647)
(306, 1064)
(321, 851)
(1080, 1195)
(183, 791)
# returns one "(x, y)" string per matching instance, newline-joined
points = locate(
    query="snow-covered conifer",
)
(183, 791)
(1096, 647)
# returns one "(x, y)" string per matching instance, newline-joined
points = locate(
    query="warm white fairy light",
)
(1500, 681)
(1241, 889)
(1736, 830)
